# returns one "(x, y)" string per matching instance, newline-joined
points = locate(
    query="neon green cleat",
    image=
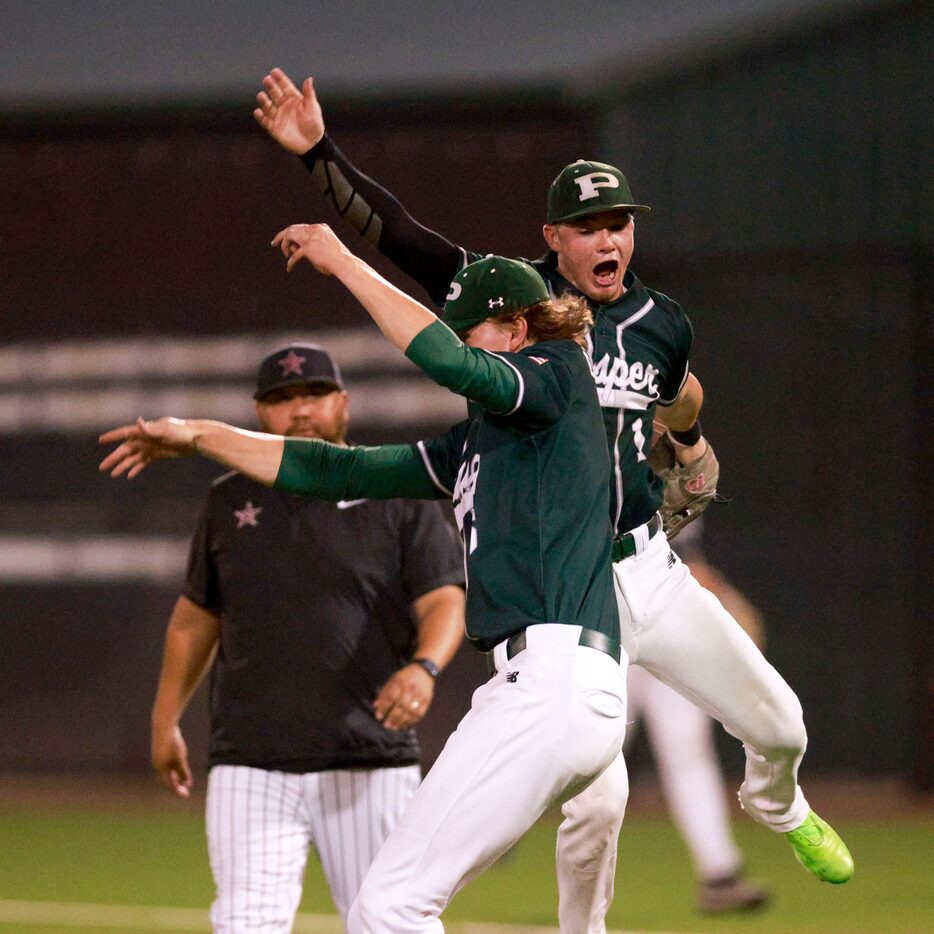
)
(820, 850)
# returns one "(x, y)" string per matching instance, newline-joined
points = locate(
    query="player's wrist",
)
(689, 437)
(687, 456)
(427, 665)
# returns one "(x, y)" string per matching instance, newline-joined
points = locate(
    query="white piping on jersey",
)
(617, 468)
(225, 476)
(518, 376)
(630, 400)
(617, 471)
(431, 471)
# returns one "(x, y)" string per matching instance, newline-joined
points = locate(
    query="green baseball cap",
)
(488, 287)
(583, 188)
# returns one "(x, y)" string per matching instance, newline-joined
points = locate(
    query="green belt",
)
(588, 637)
(624, 546)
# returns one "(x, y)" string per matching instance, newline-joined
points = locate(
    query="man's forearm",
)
(190, 642)
(399, 316)
(252, 453)
(440, 624)
(683, 412)
(428, 257)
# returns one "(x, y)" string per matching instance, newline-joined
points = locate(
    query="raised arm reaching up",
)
(294, 119)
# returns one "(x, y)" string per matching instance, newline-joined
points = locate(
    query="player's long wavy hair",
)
(564, 318)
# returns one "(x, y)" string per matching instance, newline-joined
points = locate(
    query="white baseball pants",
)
(261, 823)
(679, 632)
(549, 721)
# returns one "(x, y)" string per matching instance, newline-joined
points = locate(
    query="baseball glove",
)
(689, 489)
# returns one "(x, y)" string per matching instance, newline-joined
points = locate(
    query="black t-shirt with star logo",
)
(315, 601)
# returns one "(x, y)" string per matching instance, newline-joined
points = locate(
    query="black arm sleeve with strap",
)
(430, 259)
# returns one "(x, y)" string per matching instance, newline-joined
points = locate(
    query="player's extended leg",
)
(543, 727)
(586, 851)
(685, 638)
(680, 633)
(351, 813)
(258, 844)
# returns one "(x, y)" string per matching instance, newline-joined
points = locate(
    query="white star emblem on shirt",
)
(247, 515)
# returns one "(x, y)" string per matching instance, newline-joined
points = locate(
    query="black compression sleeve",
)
(430, 259)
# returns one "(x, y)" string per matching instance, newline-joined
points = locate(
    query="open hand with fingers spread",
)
(291, 117)
(315, 242)
(145, 442)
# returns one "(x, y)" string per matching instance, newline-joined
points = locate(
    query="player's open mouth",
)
(605, 272)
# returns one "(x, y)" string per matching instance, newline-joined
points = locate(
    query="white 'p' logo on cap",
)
(589, 184)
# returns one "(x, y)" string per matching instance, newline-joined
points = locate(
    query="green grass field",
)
(158, 858)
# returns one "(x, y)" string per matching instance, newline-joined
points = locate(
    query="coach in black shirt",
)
(330, 622)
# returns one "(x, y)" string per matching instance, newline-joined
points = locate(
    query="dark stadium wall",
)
(139, 275)
(790, 189)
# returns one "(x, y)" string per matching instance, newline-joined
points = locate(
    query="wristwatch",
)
(428, 665)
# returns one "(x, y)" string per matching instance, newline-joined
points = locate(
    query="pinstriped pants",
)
(261, 823)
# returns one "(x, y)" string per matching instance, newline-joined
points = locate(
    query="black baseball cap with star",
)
(294, 364)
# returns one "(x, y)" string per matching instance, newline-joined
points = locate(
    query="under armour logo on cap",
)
(291, 363)
(498, 303)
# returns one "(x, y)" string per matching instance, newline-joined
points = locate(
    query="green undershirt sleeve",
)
(472, 373)
(327, 471)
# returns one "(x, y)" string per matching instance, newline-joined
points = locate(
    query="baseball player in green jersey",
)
(639, 344)
(529, 479)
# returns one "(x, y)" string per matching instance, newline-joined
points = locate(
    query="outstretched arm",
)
(255, 454)
(301, 465)
(295, 120)
(415, 330)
